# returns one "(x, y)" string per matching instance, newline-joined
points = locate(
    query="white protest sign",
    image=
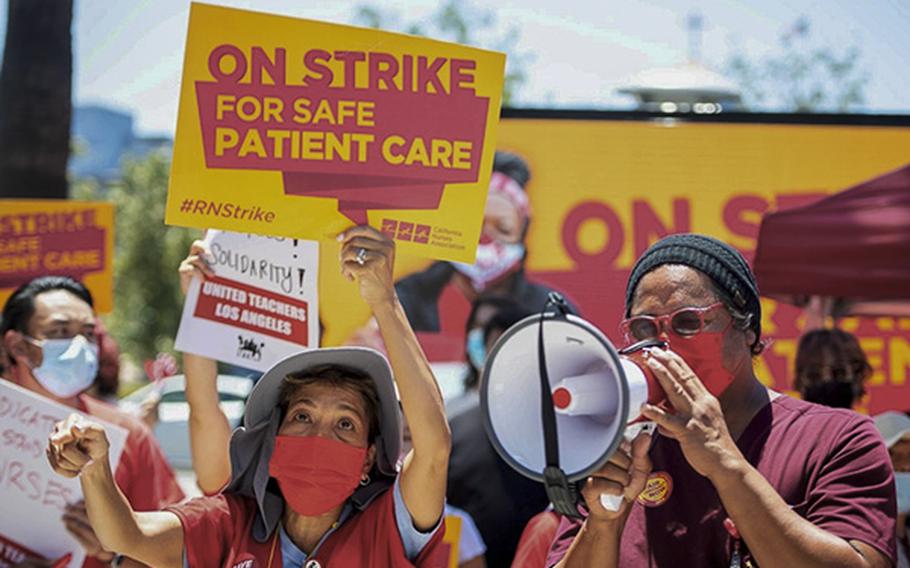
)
(261, 305)
(32, 495)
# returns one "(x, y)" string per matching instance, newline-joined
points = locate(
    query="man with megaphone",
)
(736, 474)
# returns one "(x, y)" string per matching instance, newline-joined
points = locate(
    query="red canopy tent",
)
(853, 246)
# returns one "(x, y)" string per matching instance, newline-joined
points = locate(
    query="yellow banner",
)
(71, 238)
(300, 128)
(603, 190)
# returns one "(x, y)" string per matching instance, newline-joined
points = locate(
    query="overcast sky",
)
(128, 53)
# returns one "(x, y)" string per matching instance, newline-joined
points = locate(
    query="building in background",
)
(102, 137)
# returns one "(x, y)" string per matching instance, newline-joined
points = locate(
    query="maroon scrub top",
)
(829, 464)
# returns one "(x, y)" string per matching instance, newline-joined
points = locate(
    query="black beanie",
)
(718, 260)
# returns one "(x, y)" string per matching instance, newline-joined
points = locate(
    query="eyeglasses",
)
(685, 322)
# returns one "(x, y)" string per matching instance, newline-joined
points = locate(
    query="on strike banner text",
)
(300, 128)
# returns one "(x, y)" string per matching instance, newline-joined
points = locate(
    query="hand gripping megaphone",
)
(557, 398)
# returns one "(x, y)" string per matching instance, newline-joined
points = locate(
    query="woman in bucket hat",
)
(314, 480)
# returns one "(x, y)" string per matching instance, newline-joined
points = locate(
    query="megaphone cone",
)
(594, 392)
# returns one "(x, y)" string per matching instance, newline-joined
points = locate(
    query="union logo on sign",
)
(405, 231)
(422, 234)
(389, 227)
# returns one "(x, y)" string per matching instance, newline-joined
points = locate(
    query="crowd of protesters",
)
(349, 456)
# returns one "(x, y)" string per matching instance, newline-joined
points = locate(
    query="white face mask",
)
(69, 366)
(494, 260)
(902, 484)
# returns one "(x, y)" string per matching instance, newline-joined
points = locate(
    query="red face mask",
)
(315, 474)
(703, 352)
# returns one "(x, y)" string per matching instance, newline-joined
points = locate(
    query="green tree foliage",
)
(147, 297)
(462, 23)
(800, 76)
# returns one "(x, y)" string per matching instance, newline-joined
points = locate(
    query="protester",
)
(831, 368)
(49, 334)
(499, 499)
(482, 311)
(313, 468)
(210, 430)
(895, 429)
(738, 475)
(501, 255)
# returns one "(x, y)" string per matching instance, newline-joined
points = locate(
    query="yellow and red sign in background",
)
(300, 128)
(603, 190)
(71, 238)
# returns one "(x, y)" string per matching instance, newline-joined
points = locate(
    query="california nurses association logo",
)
(657, 490)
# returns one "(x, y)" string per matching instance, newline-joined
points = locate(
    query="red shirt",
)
(218, 532)
(143, 474)
(829, 464)
(535, 541)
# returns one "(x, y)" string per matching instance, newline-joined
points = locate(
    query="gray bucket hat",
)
(253, 442)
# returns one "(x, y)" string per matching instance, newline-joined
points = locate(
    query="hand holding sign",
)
(250, 299)
(369, 257)
(351, 120)
(195, 264)
(75, 444)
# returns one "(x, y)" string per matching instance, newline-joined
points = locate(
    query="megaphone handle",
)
(611, 502)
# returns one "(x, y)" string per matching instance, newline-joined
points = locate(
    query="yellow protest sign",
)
(300, 128)
(73, 238)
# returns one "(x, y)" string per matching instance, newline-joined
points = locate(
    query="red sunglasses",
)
(684, 322)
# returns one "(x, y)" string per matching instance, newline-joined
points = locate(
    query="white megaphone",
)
(557, 399)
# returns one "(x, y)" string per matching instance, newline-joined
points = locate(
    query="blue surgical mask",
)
(69, 366)
(476, 348)
(902, 484)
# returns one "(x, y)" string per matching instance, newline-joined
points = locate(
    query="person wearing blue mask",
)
(483, 310)
(48, 331)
